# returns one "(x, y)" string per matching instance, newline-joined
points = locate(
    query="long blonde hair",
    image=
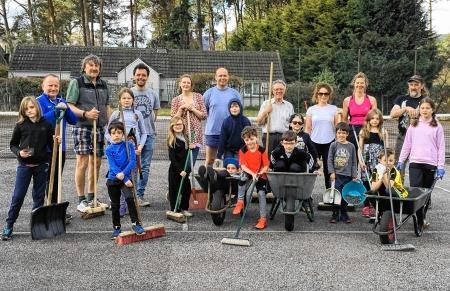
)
(171, 135)
(23, 108)
(365, 130)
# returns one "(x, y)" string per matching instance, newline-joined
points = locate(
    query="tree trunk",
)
(132, 23)
(225, 25)
(52, 19)
(9, 41)
(92, 23)
(200, 25)
(83, 22)
(135, 23)
(102, 2)
(212, 41)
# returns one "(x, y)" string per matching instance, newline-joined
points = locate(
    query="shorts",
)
(212, 141)
(83, 141)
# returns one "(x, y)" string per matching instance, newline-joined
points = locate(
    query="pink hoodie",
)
(424, 144)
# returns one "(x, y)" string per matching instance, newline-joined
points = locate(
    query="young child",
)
(230, 141)
(254, 164)
(119, 181)
(342, 166)
(304, 141)
(32, 137)
(134, 123)
(379, 178)
(425, 146)
(217, 177)
(371, 144)
(178, 154)
(287, 157)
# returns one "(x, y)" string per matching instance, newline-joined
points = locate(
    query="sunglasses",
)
(323, 94)
(296, 122)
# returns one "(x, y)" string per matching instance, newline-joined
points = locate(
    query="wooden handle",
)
(94, 130)
(270, 100)
(61, 131)
(51, 182)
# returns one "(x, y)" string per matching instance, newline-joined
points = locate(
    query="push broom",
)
(236, 241)
(155, 231)
(174, 215)
(396, 246)
(95, 210)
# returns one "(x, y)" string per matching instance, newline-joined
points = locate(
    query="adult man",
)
(88, 98)
(280, 111)
(217, 100)
(48, 100)
(406, 107)
(147, 102)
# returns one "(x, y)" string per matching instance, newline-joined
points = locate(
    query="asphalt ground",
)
(315, 256)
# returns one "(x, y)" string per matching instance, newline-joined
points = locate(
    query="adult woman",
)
(192, 104)
(320, 121)
(356, 106)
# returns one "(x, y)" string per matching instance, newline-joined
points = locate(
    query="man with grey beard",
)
(406, 107)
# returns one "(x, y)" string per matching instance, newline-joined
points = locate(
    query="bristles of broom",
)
(93, 212)
(129, 237)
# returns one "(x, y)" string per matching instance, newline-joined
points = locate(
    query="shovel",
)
(49, 221)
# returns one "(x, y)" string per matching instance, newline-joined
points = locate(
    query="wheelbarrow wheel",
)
(418, 220)
(387, 225)
(218, 202)
(289, 218)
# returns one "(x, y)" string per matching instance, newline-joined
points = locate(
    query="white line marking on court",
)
(443, 189)
(247, 231)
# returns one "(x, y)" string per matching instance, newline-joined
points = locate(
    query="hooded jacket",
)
(230, 134)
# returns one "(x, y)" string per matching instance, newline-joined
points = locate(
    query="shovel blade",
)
(48, 221)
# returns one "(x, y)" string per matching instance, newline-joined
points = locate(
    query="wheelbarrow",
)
(293, 192)
(405, 208)
(219, 198)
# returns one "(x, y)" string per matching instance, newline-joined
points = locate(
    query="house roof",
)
(248, 65)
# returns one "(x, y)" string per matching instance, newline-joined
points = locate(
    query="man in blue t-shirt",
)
(216, 101)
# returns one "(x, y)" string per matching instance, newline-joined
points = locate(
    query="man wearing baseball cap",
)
(406, 107)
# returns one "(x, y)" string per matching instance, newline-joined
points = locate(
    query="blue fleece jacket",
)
(118, 161)
(230, 134)
(47, 107)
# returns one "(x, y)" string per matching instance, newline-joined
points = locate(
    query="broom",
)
(236, 241)
(173, 215)
(268, 115)
(94, 210)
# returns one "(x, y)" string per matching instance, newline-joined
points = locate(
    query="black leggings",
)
(322, 152)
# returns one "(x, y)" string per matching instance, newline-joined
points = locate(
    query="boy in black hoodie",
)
(287, 157)
(230, 135)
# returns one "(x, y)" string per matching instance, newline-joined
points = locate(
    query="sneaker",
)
(426, 223)
(239, 206)
(334, 218)
(187, 213)
(68, 218)
(7, 233)
(262, 223)
(372, 212)
(365, 212)
(82, 207)
(138, 229)
(116, 232)
(345, 218)
(142, 202)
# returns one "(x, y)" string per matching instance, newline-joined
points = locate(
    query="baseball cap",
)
(416, 78)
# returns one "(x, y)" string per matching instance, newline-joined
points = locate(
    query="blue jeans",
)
(146, 160)
(23, 179)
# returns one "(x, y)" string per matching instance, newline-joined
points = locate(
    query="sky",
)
(441, 17)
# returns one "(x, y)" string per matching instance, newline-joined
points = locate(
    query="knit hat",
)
(233, 161)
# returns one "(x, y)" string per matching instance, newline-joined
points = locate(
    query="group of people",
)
(347, 140)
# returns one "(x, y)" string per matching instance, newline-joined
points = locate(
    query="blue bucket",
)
(354, 193)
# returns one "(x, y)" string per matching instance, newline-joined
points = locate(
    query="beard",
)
(414, 94)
